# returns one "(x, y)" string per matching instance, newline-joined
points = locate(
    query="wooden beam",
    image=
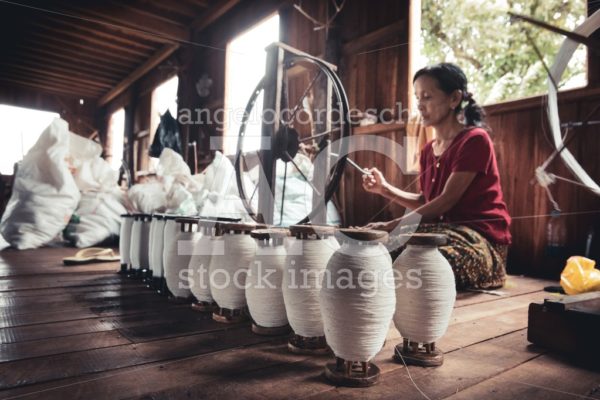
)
(42, 72)
(178, 7)
(105, 33)
(109, 55)
(148, 12)
(77, 69)
(45, 87)
(68, 53)
(152, 62)
(90, 41)
(213, 14)
(120, 18)
(49, 81)
(45, 55)
(374, 38)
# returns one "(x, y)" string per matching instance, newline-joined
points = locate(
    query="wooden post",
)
(272, 106)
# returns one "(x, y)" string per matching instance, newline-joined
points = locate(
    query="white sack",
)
(44, 193)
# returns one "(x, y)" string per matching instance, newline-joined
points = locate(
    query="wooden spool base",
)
(425, 356)
(272, 331)
(228, 316)
(352, 373)
(123, 270)
(308, 345)
(204, 306)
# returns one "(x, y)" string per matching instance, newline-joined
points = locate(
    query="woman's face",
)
(434, 105)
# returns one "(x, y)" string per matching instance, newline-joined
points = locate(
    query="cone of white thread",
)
(263, 284)
(304, 267)
(358, 303)
(125, 238)
(425, 292)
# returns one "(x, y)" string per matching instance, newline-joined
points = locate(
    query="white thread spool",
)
(157, 248)
(358, 301)
(305, 264)
(125, 241)
(263, 283)
(140, 232)
(199, 266)
(228, 270)
(169, 235)
(426, 294)
(178, 257)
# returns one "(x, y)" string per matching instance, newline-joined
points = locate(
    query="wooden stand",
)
(204, 306)
(273, 331)
(308, 345)
(352, 373)
(424, 356)
(228, 316)
(568, 325)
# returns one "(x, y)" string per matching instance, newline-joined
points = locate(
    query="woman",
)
(460, 185)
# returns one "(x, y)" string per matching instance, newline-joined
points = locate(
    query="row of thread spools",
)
(337, 289)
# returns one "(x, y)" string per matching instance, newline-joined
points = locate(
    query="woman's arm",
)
(455, 187)
(376, 183)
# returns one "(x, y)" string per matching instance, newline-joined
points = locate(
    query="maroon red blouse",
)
(482, 206)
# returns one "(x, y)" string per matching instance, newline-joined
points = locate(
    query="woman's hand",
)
(374, 183)
(387, 226)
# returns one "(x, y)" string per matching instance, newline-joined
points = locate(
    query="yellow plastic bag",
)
(580, 276)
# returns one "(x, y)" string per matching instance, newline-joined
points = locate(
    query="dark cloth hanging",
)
(166, 135)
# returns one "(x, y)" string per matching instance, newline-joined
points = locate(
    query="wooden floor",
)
(85, 332)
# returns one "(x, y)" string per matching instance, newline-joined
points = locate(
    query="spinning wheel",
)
(288, 143)
(582, 34)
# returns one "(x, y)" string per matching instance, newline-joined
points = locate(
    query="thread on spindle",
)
(359, 300)
(305, 265)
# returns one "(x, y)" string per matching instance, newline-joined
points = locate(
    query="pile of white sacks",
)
(63, 174)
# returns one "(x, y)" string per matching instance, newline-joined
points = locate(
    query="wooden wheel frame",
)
(285, 141)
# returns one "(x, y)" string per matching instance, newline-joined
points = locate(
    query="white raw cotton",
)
(177, 261)
(263, 284)
(305, 265)
(200, 263)
(425, 301)
(125, 238)
(358, 304)
(228, 271)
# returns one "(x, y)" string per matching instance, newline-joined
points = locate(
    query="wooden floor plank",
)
(546, 377)
(515, 286)
(44, 369)
(147, 316)
(54, 281)
(60, 345)
(118, 308)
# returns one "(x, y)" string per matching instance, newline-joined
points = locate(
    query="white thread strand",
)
(358, 302)
(304, 268)
(263, 286)
(199, 268)
(125, 239)
(157, 247)
(170, 233)
(176, 267)
(426, 293)
(228, 271)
